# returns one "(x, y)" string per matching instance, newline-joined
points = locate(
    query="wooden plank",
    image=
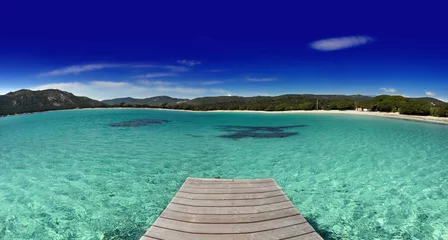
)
(208, 180)
(149, 238)
(229, 210)
(229, 190)
(228, 185)
(230, 196)
(215, 180)
(232, 228)
(281, 233)
(219, 209)
(241, 218)
(309, 236)
(229, 203)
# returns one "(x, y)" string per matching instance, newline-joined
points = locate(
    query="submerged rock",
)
(138, 123)
(258, 128)
(238, 132)
(193, 135)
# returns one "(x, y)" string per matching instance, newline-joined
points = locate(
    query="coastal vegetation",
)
(407, 106)
(382, 103)
(26, 101)
(154, 101)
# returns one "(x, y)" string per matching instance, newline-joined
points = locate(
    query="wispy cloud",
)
(76, 69)
(155, 75)
(388, 90)
(211, 82)
(251, 79)
(333, 44)
(108, 84)
(430, 94)
(106, 89)
(190, 63)
(216, 70)
(172, 68)
(175, 68)
(155, 82)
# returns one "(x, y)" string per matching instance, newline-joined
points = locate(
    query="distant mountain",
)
(153, 101)
(27, 101)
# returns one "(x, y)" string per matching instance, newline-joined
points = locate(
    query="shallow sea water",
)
(99, 174)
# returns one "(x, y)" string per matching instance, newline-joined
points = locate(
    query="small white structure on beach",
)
(363, 109)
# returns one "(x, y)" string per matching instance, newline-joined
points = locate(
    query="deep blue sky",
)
(107, 49)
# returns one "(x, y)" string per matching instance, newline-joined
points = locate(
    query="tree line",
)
(402, 105)
(382, 103)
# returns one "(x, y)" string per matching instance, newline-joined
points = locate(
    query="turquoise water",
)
(69, 175)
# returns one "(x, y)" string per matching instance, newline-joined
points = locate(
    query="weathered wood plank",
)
(281, 233)
(219, 209)
(229, 210)
(232, 228)
(215, 180)
(230, 196)
(189, 179)
(149, 238)
(229, 190)
(240, 218)
(229, 203)
(228, 185)
(309, 236)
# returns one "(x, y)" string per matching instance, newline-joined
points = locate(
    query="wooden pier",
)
(219, 209)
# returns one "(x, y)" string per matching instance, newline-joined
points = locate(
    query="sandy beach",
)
(440, 120)
(353, 112)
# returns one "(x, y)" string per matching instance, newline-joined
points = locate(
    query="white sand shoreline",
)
(443, 120)
(430, 119)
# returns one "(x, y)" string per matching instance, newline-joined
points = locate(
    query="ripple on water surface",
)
(71, 175)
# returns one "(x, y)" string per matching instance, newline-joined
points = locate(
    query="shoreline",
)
(429, 119)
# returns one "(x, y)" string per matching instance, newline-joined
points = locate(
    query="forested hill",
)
(382, 103)
(27, 101)
(289, 98)
(155, 101)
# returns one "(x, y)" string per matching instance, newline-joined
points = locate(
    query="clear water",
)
(69, 175)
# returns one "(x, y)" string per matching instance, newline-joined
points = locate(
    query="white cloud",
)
(155, 82)
(154, 75)
(332, 44)
(213, 82)
(106, 84)
(388, 90)
(169, 67)
(106, 89)
(175, 68)
(251, 79)
(430, 94)
(190, 63)
(78, 69)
